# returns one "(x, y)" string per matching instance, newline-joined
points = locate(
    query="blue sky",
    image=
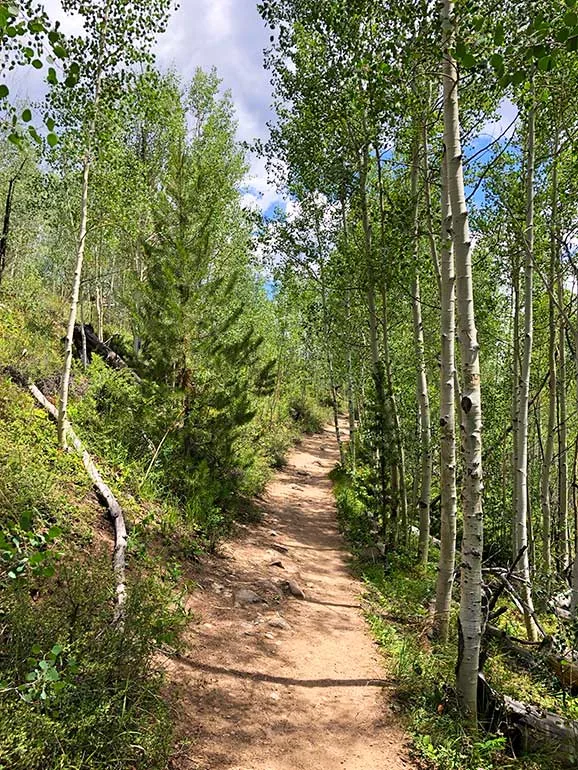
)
(230, 35)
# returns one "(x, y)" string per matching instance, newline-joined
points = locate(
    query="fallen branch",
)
(103, 490)
(87, 342)
(528, 727)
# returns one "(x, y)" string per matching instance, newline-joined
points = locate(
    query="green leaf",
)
(37, 64)
(53, 532)
(34, 134)
(56, 650)
(499, 35)
(49, 123)
(570, 19)
(469, 60)
(51, 77)
(52, 140)
(518, 77)
(52, 675)
(43, 665)
(27, 115)
(545, 64)
(36, 649)
(497, 61)
(4, 91)
(59, 51)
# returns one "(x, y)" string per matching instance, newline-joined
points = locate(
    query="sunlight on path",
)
(273, 681)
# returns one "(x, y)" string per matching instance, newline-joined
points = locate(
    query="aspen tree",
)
(471, 408)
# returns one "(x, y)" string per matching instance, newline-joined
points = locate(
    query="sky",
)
(227, 34)
(230, 35)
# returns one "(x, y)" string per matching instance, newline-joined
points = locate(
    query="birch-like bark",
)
(425, 460)
(524, 395)
(399, 486)
(563, 539)
(423, 502)
(471, 408)
(448, 490)
(515, 400)
(62, 420)
(545, 497)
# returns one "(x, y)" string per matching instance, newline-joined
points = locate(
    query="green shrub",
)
(76, 690)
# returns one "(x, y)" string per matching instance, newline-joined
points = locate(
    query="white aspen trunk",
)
(524, 396)
(425, 464)
(562, 435)
(471, 407)
(62, 420)
(400, 449)
(549, 448)
(424, 495)
(574, 595)
(399, 486)
(65, 383)
(447, 558)
(515, 402)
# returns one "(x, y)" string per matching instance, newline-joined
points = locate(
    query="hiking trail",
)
(271, 681)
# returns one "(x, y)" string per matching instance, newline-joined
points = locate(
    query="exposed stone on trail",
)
(279, 622)
(245, 596)
(293, 588)
(277, 563)
(280, 548)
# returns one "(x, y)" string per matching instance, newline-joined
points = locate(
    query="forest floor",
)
(271, 681)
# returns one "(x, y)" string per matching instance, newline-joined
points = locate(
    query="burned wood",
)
(86, 342)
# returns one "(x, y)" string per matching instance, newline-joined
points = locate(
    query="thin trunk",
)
(424, 496)
(515, 400)
(471, 408)
(549, 448)
(399, 490)
(81, 244)
(447, 421)
(521, 479)
(425, 462)
(374, 345)
(562, 436)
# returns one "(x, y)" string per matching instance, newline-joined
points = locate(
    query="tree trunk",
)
(521, 480)
(563, 549)
(423, 502)
(545, 496)
(471, 408)
(425, 462)
(447, 559)
(81, 244)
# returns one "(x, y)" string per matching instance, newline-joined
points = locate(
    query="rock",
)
(277, 563)
(302, 473)
(293, 588)
(245, 596)
(279, 622)
(273, 533)
(280, 548)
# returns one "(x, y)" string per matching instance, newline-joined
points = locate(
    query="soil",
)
(272, 681)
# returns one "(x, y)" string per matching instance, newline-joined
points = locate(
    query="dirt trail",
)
(287, 683)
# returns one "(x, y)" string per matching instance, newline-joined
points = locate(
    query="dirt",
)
(272, 681)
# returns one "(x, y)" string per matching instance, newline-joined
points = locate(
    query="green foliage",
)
(75, 690)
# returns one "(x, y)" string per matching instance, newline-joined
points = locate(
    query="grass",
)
(397, 602)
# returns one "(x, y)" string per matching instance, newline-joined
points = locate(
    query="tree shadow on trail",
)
(257, 676)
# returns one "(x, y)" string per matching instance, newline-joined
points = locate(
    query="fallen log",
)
(104, 492)
(84, 338)
(528, 727)
(566, 670)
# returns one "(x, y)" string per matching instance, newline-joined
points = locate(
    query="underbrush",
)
(398, 600)
(76, 690)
